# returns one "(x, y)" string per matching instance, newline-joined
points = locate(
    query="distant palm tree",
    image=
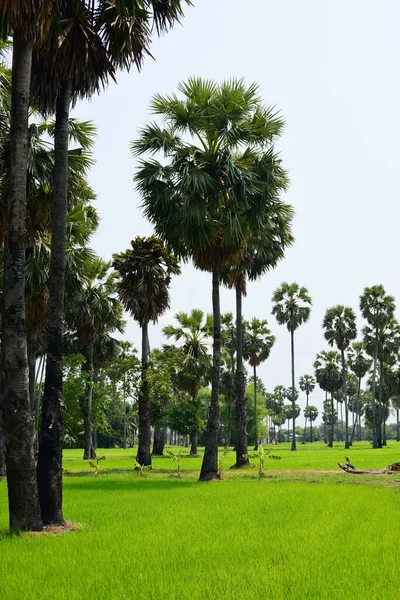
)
(145, 272)
(377, 307)
(359, 364)
(193, 333)
(205, 197)
(307, 385)
(291, 308)
(327, 367)
(340, 330)
(311, 413)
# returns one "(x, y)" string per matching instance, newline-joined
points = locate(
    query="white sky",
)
(332, 68)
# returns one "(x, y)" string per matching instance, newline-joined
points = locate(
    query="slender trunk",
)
(39, 394)
(398, 425)
(88, 416)
(337, 421)
(384, 441)
(305, 422)
(124, 424)
(311, 431)
(193, 443)
(171, 438)
(357, 411)
(159, 440)
(143, 454)
(209, 467)
(379, 414)
(240, 400)
(229, 432)
(293, 448)
(374, 427)
(255, 408)
(346, 412)
(49, 467)
(333, 423)
(17, 418)
(32, 354)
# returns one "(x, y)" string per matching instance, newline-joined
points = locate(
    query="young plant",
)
(96, 466)
(141, 469)
(262, 454)
(221, 458)
(177, 458)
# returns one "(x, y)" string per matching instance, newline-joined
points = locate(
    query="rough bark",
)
(2, 455)
(32, 355)
(374, 425)
(240, 400)
(49, 467)
(159, 440)
(293, 448)
(18, 422)
(193, 443)
(209, 467)
(305, 421)
(330, 445)
(398, 425)
(143, 454)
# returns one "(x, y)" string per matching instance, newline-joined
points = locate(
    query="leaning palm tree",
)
(377, 307)
(340, 330)
(359, 364)
(327, 367)
(291, 308)
(257, 346)
(204, 196)
(192, 334)
(265, 248)
(145, 272)
(307, 385)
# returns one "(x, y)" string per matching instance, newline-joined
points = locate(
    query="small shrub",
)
(262, 454)
(176, 457)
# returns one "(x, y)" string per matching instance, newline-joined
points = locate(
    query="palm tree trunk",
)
(346, 412)
(379, 412)
(240, 400)
(398, 425)
(310, 431)
(159, 439)
(374, 424)
(209, 467)
(255, 408)
(49, 467)
(330, 445)
(2, 455)
(32, 354)
(17, 418)
(124, 424)
(88, 417)
(357, 411)
(143, 454)
(293, 448)
(305, 422)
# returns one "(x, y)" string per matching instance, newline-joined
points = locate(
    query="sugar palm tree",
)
(291, 308)
(192, 333)
(377, 307)
(307, 385)
(264, 249)
(327, 367)
(340, 330)
(204, 196)
(257, 346)
(145, 272)
(359, 364)
(311, 413)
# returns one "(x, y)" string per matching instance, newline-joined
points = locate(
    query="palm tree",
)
(145, 272)
(307, 385)
(263, 251)
(396, 406)
(359, 364)
(327, 367)
(291, 308)
(311, 413)
(340, 329)
(193, 333)
(257, 346)
(377, 308)
(27, 21)
(94, 313)
(205, 196)
(292, 411)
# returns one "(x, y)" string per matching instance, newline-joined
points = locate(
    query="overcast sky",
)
(332, 69)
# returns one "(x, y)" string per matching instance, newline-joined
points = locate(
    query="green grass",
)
(291, 535)
(164, 538)
(309, 456)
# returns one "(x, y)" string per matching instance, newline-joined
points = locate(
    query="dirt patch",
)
(67, 527)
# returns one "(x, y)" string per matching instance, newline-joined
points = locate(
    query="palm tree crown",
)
(291, 305)
(376, 306)
(340, 326)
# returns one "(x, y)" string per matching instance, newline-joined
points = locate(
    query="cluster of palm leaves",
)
(62, 50)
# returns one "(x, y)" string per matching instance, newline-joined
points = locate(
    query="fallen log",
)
(348, 468)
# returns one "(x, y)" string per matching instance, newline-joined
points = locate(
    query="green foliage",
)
(291, 305)
(257, 341)
(176, 457)
(262, 454)
(96, 466)
(141, 469)
(340, 326)
(328, 370)
(221, 456)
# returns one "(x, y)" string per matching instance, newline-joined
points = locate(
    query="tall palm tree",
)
(327, 367)
(205, 196)
(257, 346)
(192, 333)
(264, 249)
(311, 413)
(291, 308)
(396, 406)
(377, 307)
(307, 385)
(145, 272)
(359, 364)
(94, 312)
(340, 330)
(27, 20)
